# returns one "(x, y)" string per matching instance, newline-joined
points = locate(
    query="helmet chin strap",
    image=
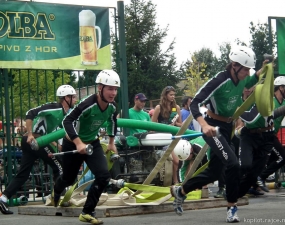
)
(101, 95)
(236, 72)
(282, 93)
(69, 104)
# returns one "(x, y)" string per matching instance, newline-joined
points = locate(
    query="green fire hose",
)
(130, 123)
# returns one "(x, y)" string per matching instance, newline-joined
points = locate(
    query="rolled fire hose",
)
(262, 94)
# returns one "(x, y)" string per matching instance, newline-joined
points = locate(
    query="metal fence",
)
(23, 90)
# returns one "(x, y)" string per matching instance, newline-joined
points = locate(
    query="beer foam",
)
(87, 18)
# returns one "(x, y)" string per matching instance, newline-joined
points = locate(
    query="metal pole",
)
(8, 126)
(8, 130)
(123, 63)
(270, 35)
(117, 58)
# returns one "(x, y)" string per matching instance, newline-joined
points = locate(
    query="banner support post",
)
(123, 63)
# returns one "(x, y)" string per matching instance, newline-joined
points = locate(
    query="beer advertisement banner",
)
(54, 36)
(280, 25)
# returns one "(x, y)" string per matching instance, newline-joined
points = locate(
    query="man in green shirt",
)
(222, 96)
(40, 121)
(137, 112)
(277, 157)
(82, 125)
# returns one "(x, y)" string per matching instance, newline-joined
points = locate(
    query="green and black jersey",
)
(86, 118)
(46, 118)
(253, 119)
(197, 144)
(221, 94)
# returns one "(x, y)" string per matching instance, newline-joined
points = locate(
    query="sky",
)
(204, 23)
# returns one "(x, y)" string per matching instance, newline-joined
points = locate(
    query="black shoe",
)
(261, 184)
(55, 199)
(4, 208)
(255, 192)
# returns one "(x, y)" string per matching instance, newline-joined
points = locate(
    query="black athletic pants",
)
(222, 178)
(254, 151)
(276, 159)
(97, 164)
(223, 158)
(28, 159)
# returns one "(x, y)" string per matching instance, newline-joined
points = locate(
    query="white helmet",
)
(279, 81)
(244, 56)
(108, 77)
(182, 149)
(65, 90)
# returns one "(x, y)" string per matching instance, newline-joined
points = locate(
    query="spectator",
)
(277, 157)
(19, 132)
(166, 112)
(167, 108)
(151, 112)
(185, 111)
(137, 112)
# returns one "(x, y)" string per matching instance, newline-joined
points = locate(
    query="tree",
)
(196, 76)
(149, 67)
(33, 88)
(222, 61)
(87, 78)
(213, 63)
(260, 42)
(206, 56)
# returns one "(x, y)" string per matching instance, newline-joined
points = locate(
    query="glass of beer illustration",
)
(88, 38)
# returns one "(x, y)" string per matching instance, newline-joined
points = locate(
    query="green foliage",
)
(213, 63)
(221, 62)
(149, 67)
(260, 41)
(196, 76)
(33, 88)
(87, 78)
(206, 56)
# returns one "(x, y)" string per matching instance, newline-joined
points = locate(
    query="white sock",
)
(4, 198)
